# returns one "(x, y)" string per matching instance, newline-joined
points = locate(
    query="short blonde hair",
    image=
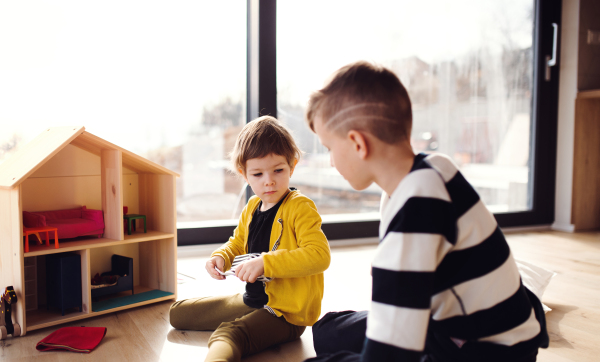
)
(260, 138)
(365, 97)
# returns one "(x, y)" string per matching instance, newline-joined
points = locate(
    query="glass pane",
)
(165, 80)
(467, 67)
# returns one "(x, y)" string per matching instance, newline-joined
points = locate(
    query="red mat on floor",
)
(75, 339)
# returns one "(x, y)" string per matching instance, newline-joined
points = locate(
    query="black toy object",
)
(7, 302)
(123, 267)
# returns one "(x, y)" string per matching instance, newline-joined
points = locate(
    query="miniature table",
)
(36, 231)
(131, 218)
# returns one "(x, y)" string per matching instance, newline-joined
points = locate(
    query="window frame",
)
(262, 100)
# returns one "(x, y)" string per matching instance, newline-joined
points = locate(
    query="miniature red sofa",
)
(69, 223)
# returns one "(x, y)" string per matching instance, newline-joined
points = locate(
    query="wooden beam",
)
(11, 255)
(86, 281)
(112, 193)
(585, 213)
(589, 94)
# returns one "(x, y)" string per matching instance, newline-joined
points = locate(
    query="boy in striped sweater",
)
(445, 284)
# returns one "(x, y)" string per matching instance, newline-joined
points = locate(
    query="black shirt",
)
(259, 235)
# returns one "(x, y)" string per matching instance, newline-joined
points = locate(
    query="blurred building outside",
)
(466, 111)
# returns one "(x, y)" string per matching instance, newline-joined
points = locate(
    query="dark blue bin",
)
(63, 281)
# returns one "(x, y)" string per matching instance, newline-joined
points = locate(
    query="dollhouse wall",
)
(69, 179)
(72, 178)
(131, 196)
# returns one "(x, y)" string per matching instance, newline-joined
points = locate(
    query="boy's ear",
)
(243, 175)
(359, 143)
(293, 167)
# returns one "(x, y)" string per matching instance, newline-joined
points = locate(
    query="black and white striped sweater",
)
(443, 265)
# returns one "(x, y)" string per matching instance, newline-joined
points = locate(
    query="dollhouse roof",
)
(45, 146)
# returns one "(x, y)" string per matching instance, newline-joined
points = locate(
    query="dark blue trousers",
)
(340, 336)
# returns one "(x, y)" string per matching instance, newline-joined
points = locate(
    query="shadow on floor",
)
(553, 319)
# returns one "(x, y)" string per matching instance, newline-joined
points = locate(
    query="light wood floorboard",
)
(144, 333)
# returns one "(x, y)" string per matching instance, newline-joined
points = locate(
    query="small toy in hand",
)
(239, 260)
(7, 301)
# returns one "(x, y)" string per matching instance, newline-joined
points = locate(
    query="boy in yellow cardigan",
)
(280, 230)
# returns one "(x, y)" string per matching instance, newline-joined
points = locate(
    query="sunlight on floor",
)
(346, 281)
(185, 345)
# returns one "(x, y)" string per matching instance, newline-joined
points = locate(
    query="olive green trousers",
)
(239, 330)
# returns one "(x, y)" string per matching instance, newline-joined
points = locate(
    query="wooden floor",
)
(144, 334)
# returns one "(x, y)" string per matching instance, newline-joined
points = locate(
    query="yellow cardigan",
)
(297, 264)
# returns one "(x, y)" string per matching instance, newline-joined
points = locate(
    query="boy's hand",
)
(250, 270)
(218, 262)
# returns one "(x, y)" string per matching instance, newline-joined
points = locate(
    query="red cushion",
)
(32, 220)
(94, 215)
(71, 228)
(61, 214)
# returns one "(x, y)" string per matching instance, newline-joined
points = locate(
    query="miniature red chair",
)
(36, 231)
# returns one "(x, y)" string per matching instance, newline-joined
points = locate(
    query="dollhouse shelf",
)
(67, 246)
(67, 167)
(42, 318)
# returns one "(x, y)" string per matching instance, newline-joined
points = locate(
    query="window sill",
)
(338, 226)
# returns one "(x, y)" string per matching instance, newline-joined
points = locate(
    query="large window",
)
(176, 81)
(468, 68)
(166, 80)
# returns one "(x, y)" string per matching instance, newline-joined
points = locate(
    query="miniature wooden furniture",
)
(65, 167)
(72, 222)
(123, 267)
(35, 231)
(63, 281)
(132, 218)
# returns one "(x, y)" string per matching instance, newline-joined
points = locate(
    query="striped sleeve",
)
(417, 230)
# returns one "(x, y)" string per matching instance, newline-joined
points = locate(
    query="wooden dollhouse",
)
(67, 167)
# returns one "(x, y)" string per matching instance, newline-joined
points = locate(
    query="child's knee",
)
(231, 333)
(176, 316)
(223, 351)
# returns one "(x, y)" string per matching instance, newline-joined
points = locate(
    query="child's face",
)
(343, 156)
(269, 178)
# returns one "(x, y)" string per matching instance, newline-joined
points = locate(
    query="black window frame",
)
(262, 100)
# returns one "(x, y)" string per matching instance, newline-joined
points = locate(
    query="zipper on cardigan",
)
(276, 245)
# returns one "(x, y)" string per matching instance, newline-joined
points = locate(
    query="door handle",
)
(551, 61)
